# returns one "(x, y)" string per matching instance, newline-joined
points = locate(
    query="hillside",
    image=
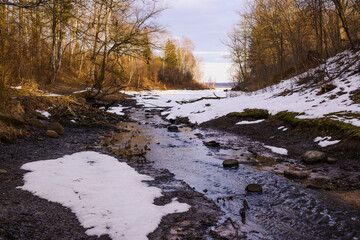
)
(329, 91)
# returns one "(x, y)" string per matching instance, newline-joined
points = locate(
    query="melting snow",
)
(325, 141)
(85, 90)
(277, 150)
(44, 113)
(17, 87)
(117, 110)
(300, 98)
(107, 196)
(250, 122)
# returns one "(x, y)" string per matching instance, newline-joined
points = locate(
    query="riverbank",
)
(185, 160)
(339, 177)
(26, 216)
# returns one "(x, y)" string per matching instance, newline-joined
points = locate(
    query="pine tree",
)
(170, 53)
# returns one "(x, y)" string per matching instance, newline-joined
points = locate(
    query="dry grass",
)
(20, 106)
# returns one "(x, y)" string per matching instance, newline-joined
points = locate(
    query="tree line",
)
(108, 44)
(277, 39)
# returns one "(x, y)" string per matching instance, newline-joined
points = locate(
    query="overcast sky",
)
(205, 23)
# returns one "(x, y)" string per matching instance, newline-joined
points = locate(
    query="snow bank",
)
(288, 95)
(107, 196)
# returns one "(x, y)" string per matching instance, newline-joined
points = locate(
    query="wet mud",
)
(25, 216)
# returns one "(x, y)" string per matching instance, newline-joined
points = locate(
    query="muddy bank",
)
(343, 174)
(25, 216)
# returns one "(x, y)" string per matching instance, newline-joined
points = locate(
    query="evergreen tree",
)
(170, 53)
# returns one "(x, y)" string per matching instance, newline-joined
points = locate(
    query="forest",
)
(106, 45)
(278, 39)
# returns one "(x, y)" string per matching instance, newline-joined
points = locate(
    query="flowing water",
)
(285, 210)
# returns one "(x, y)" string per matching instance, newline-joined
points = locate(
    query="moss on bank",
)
(251, 113)
(324, 124)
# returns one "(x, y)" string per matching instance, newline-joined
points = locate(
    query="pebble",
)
(52, 134)
(254, 188)
(331, 160)
(212, 144)
(230, 163)
(57, 127)
(295, 174)
(311, 157)
(173, 129)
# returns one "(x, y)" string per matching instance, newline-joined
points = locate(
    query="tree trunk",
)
(342, 17)
(53, 42)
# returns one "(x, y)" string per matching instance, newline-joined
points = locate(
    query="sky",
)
(206, 23)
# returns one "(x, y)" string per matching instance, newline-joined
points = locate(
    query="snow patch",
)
(17, 87)
(85, 90)
(107, 196)
(117, 110)
(281, 151)
(52, 95)
(250, 122)
(44, 113)
(325, 141)
(328, 143)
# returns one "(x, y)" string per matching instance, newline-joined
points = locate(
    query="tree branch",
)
(30, 5)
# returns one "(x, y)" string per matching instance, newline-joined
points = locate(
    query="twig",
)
(235, 228)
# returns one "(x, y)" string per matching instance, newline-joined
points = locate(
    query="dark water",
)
(284, 210)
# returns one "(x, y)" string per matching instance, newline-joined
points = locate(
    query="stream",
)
(284, 210)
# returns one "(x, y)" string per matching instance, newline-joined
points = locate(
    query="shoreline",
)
(25, 216)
